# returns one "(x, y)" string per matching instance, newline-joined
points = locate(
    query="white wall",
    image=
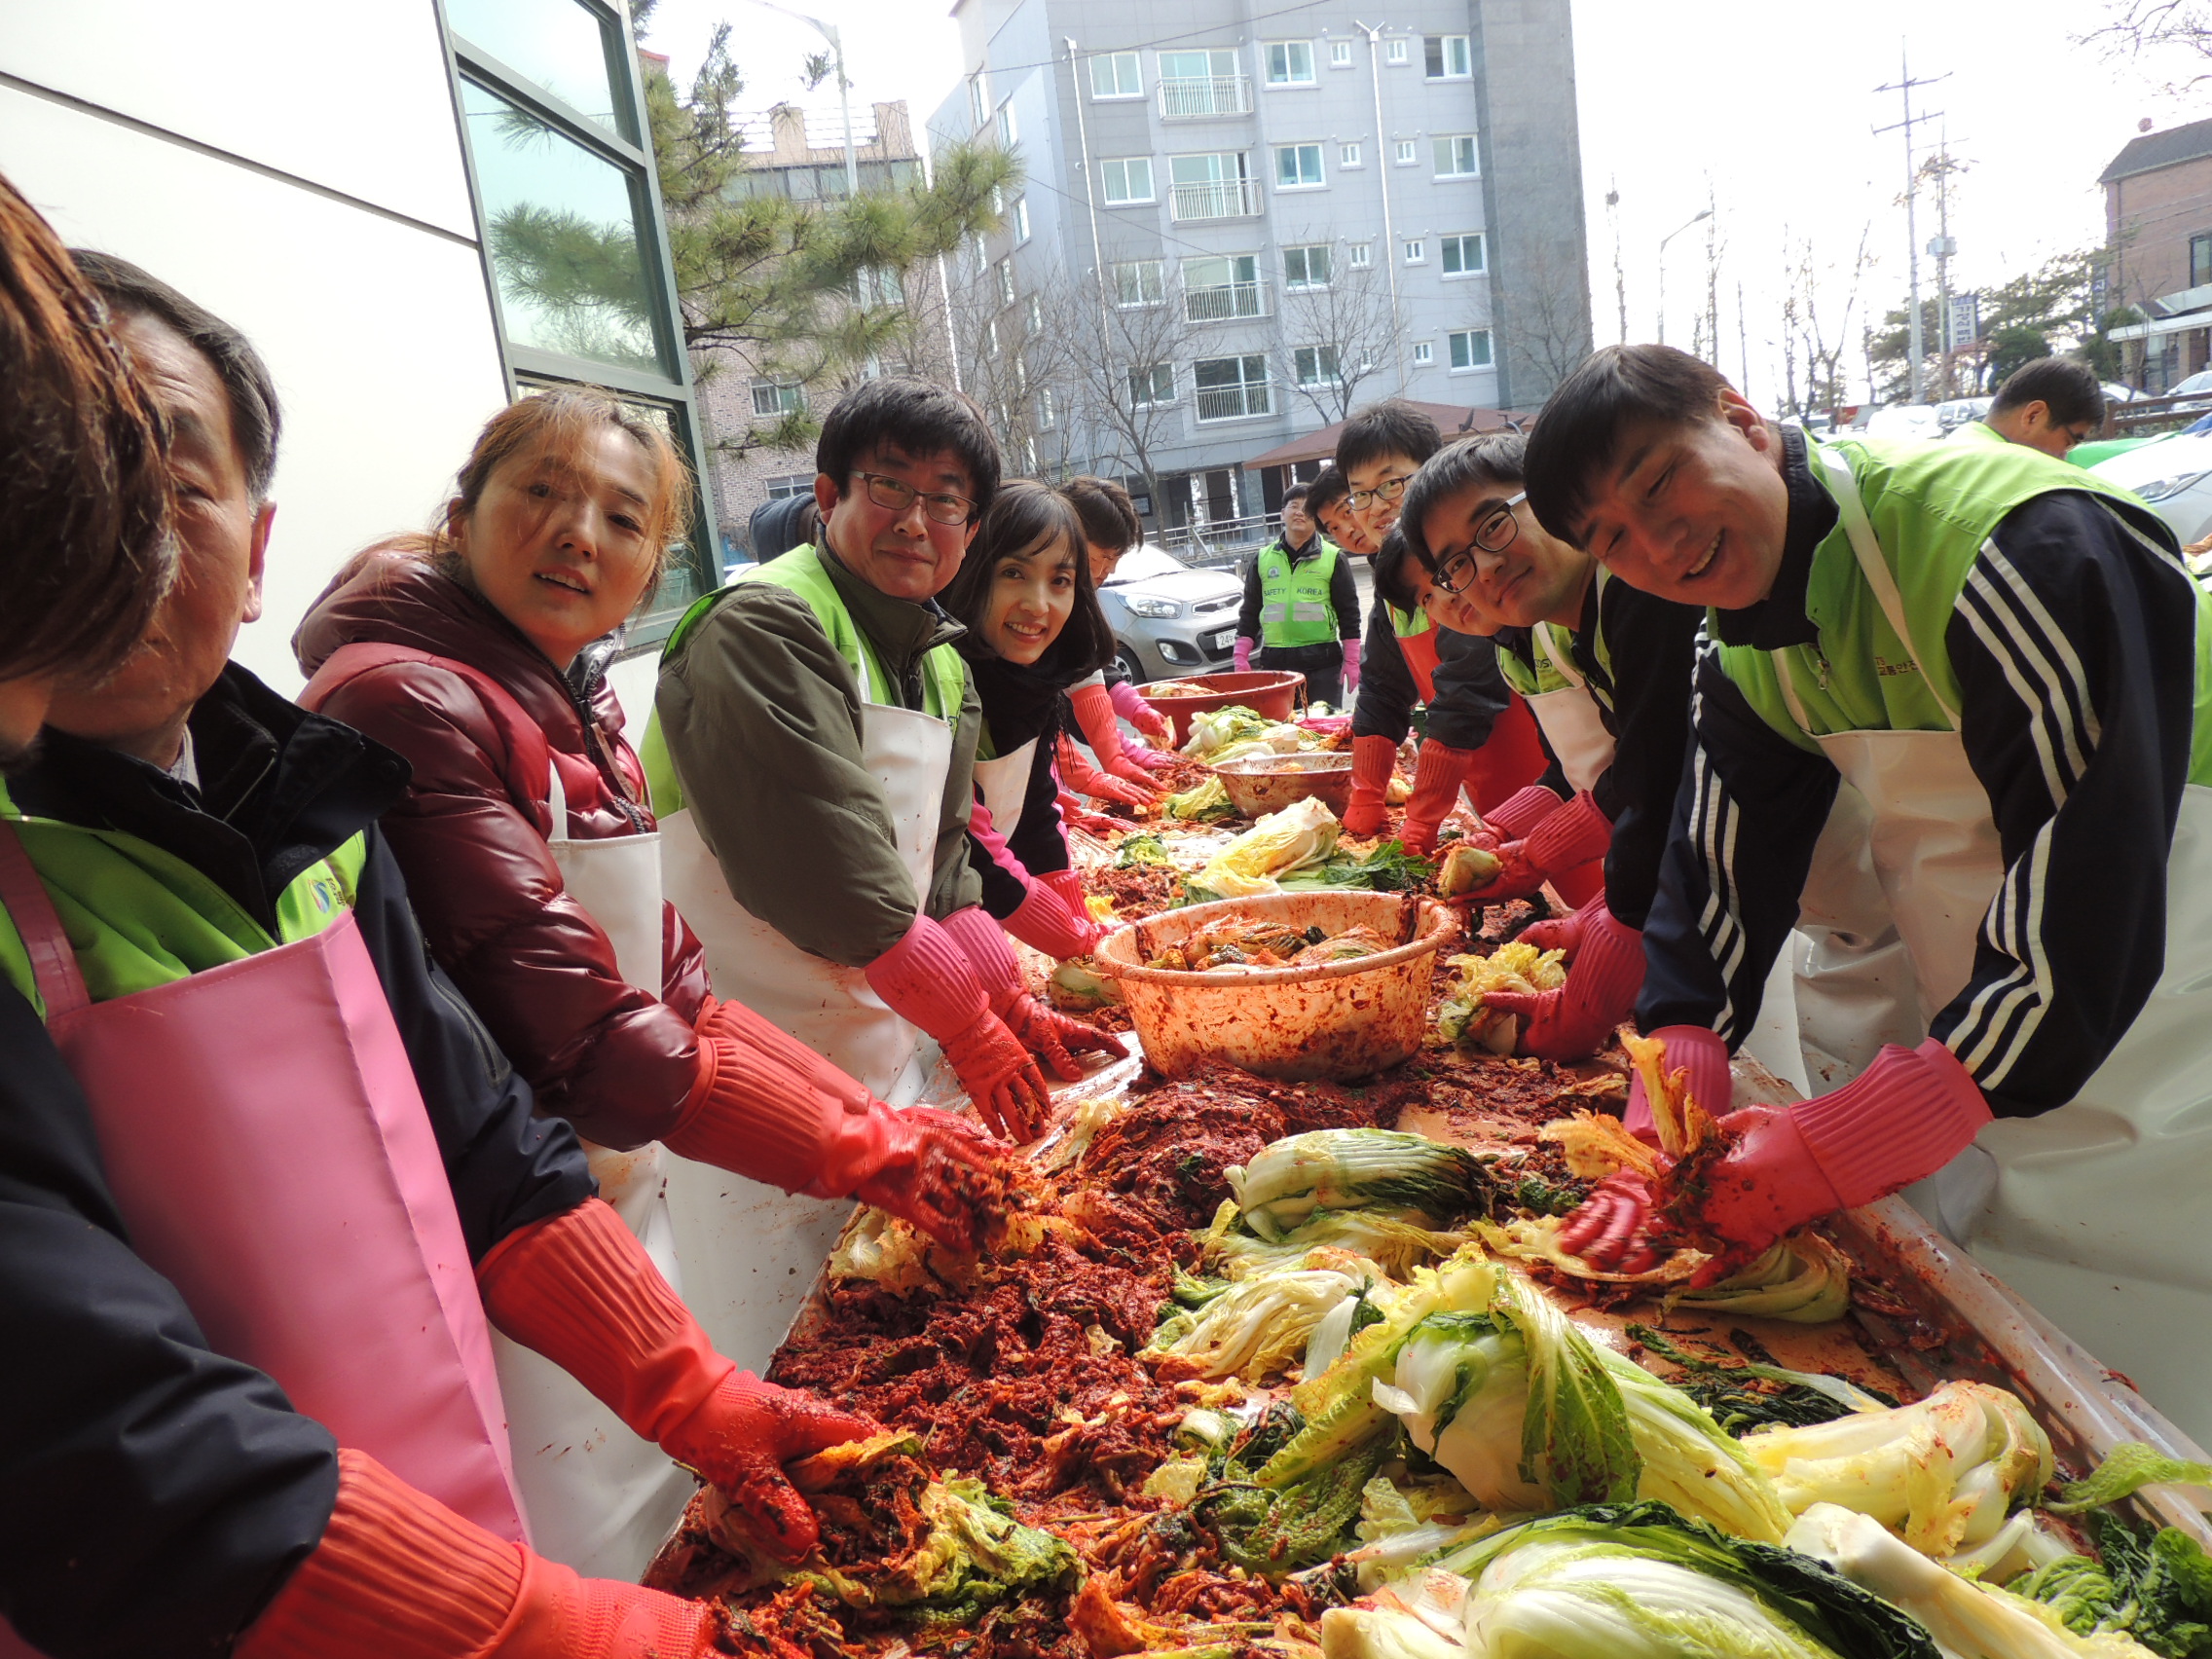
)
(371, 312)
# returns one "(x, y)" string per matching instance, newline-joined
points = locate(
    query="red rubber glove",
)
(1522, 811)
(1560, 933)
(1047, 1035)
(1437, 777)
(919, 1164)
(1711, 1084)
(1241, 654)
(1129, 701)
(1574, 834)
(1373, 762)
(1083, 777)
(1076, 816)
(927, 978)
(398, 1575)
(1102, 730)
(1352, 669)
(578, 1288)
(1603, 977)
(1902, 1119)
(1043, 922)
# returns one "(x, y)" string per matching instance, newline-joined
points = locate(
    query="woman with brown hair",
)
(533, 862)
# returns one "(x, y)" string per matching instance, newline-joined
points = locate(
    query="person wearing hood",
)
(533, 864)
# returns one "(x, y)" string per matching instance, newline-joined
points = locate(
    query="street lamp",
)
(828, 33)
(1703, 214)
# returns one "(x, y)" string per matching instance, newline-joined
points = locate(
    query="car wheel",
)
(1130, 667)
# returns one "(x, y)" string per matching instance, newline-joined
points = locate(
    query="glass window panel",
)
(562, 228)
(557, 44)
(1340, 55)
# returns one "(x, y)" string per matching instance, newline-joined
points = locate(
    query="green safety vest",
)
(944, 676)
(1932, 508)
(140, 917)
(1407, 624)
(1536, 673)
(1294, 599)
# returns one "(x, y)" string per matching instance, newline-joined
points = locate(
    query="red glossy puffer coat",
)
(615, 1060)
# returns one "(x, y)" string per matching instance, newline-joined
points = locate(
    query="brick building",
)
(2159, 225)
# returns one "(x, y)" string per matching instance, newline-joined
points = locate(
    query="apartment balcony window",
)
(1138, 282)
(1469, 347)
(1151, 384)
(1463, 255)
(1298, 167)
(1212, 187)
(1456, 157)
(1115, 75)
(1232, 388)
(1306, 269)
(1196, 85)
(1224, 288)
(1447, 58)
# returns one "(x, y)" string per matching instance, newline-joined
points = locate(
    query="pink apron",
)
(271, 1155)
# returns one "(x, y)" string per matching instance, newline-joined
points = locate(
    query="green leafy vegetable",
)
(1395, 1244)
(1215, 729)
(1726, 1390)
(1201, 803)
(1615, 1581)
(1143, 848)
(2155, 1588)
(1389, 869)
(1254, 1327)
(1331, 1169)
(2130, 1466)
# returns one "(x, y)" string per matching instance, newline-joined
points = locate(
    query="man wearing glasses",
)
(1302, 609)
(2050, 404)
(1607, 670)
(812, 764)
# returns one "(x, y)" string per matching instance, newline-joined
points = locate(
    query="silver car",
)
(1170, 620)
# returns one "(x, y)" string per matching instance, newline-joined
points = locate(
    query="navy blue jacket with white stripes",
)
(2105, 653)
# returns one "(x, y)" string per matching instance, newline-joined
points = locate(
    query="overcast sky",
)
(1770, 102)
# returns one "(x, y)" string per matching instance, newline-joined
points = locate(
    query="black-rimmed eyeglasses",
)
(1456, 570)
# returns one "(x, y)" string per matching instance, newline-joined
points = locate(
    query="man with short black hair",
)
(2050, 404)
(1300, 607)
(1998, 654)
(1325, 500)
(1480, 735)
(812, 759)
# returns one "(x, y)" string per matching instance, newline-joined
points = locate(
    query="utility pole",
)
(1699, 218)
(1903, 85)
(1942, 167)
(1620, 271)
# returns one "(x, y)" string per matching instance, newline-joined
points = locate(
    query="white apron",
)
(1572, 722)
(599, 1499)
(751, 1253)
(1004, 784)
(2095, 1212)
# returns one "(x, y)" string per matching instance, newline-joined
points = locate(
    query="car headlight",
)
(2161, 489)
(1158, 610)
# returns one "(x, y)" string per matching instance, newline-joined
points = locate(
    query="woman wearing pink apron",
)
(478, 655)
(261, 1160)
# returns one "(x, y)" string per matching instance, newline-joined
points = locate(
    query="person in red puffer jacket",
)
(476, 653)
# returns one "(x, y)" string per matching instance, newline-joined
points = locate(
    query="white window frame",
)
(1395, 51)
(1459, 241)
(1290, 77)
(1320, 178)
(786, 485)
(1009, 134)
(1425, 353)
(1405, 151)
(1116, 63)
(1360, 256)
(1350, 156)
(785, 397)
(1306, 251)
(1340, 55)
(1048, 411)
(1244, 388)
(1021, 220)
(1003, 271)
(1151, 398)
(1473, 153)
(1415, 249)
(1445, 54)
(1124, 163)
(1157, 287)
(1470, 336)
(1317, 379)
(979, 100)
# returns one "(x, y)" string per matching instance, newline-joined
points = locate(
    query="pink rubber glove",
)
(1603, 977)
(1437, 777)
(1129, 701)
(1083, 777)
(1700, 1052)
(1145, 756)
(1043, 922)
(1102, 730)
(1902, 1119)
(1374, 761)
(1241, 654)
(926, 980)
(1037, 1028)
(1069, 886)
(1351, 670)
(1572, 835)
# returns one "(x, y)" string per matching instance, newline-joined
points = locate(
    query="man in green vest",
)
(812, 764)
(2007, 663)
(1302, 609)
(2051, 404)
